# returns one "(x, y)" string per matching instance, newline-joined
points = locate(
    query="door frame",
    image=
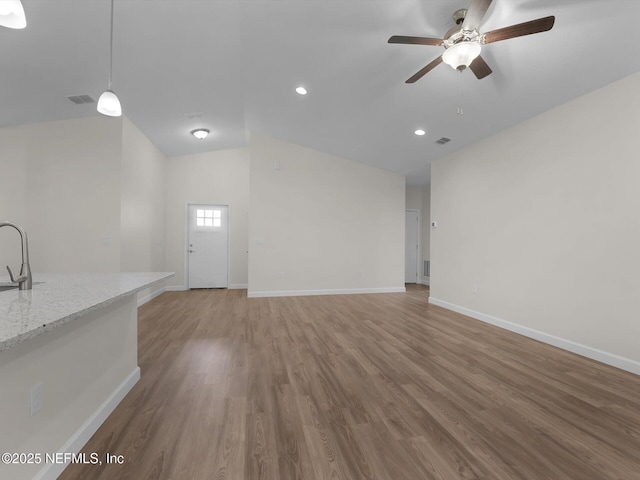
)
(186, 239)
(419, 232)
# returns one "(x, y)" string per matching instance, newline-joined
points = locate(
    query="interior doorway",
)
(411, 245)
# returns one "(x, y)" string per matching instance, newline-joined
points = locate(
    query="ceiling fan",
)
(463, 42)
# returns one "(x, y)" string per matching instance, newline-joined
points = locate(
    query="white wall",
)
(213, 177)
(89, 192)
(70, 192)
(142, 203)
(13, 185)
(413, 198)
(322, 224)
(544, 219)
(73, 195)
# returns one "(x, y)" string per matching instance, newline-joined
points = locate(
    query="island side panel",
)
(85, 367)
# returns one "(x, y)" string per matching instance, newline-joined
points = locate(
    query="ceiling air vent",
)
(193, 115)
(80, 99)
(443, 140)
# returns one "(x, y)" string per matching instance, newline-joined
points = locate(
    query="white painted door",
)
(411, 246)
(208, 246)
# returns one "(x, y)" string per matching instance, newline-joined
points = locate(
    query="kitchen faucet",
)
(24, 280)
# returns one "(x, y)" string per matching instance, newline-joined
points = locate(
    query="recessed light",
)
(200, 133)
(420, 132)
(301, 91)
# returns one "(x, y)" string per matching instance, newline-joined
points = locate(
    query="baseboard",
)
(90, 426)
(584, 350)
(175, 288)
(151, 296)
(346, 291)
(181, 288)
(424, 281)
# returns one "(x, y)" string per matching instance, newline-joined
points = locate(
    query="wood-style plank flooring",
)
(359, 387)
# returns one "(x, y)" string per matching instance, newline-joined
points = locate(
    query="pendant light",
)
(108, 103)
(12, 14)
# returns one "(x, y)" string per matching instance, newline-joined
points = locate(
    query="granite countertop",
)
(57, 299)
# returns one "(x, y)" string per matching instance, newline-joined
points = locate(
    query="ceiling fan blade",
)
(475, 14)
(520, 30)
(425, 70)
(416, 40)
(480, 68)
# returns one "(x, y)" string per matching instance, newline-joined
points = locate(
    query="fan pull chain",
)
(460, 110)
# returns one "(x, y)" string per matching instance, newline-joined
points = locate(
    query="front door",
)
(208, 246)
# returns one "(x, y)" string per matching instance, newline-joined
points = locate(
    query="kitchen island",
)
(68, 355)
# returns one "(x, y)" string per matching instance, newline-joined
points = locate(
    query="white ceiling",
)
(238, 62)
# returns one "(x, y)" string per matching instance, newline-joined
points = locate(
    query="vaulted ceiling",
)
(235, 65)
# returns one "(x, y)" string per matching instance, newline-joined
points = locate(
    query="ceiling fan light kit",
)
(12, 14)
(463, 43)
(460, 55)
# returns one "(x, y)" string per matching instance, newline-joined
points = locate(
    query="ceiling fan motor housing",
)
(459, 15)
(456, 34)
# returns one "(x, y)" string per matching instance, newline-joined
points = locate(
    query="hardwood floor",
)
(359, 387)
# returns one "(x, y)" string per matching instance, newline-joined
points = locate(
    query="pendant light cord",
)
(111, 48)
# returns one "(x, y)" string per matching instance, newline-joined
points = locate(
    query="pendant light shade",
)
(460, 55)
(12, 14)
(108, 103)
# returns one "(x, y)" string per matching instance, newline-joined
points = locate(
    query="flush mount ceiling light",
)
(200, 133)
(460, 55)
(420, 132)
(12, 14)
(108, 103)
(301, 91)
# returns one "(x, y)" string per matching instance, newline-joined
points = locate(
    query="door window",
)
(208, 218)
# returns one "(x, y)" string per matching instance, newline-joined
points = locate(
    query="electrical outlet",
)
(37, 400)
(474, 288)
